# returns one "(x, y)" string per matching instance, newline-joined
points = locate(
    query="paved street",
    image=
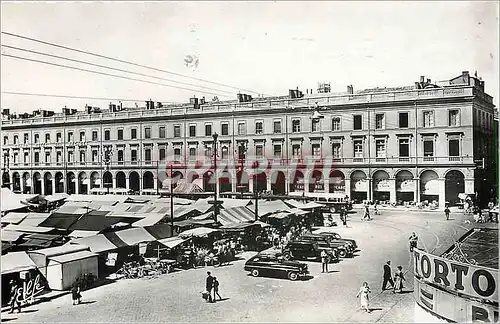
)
(326, 297)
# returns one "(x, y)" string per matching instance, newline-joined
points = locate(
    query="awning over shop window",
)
(16, 262)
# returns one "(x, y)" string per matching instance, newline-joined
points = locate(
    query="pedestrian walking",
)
(367, 213)
(324, 261)
(398, 280)
(413, 239)
(375, 208)
(209, 286)
(447, 212)
(216, 288)
(75, 293)
(387, 276)
(14, 297)
(364, 297)
(343, 216)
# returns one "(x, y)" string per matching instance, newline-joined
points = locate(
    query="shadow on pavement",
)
(375, 309)
(332, 271)
(85, 302)
(223, 299)
(8, 319)
(406, 292)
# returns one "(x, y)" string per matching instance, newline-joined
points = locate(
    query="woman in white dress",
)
(364, 298)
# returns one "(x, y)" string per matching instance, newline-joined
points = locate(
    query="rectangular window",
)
(277, 127)
(47, 138)
(358, 148)
(428, 148)
(16, 139)
(16, 158)
(94, 136)
(296, 151)
(277, 151)
(192, 130)
(82, 136)
(242, 129)
(335, 123)
(26, 157)
(380, 148)
(259, 150)
(37, 157)
(147, 132)
(336, 150)
(454, 147)
(163, 154)
(192, 153)
(428, 119)
(37, 138)
(225, 152)
(177, 130)
(453, 118)
(5, 140)
(225, 129)
(120, 155)
(83, 156)
(70, 156)
(133, 155)
(296, 126)
(208, 152)
(316, 150)
(70, 136)
(379, 121)
(208, 129)
(133, 133)
(147, 155)
(177, 154)
(94, 156)
(107, 135)
(162, 132)
(47, 157)
(403, 120)
(120, 134)
(58, 157)
(404, 147)
(357, 122)
(259, 129)
(315, 125)
(26, 138)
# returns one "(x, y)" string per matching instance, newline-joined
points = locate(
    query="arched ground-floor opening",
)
(337, 182)
(225, 182)
(148, 180)
(359, 186)
(59, 182)
(297, 181)
(95, 181)
(381, 187)
(27, 183)
(176, 177)
(37, 183)
(316, 182)
(454, 185)
(121, 180)
(405, 186)
(47, 180)
(5, 180)
(278, 183)
(429, 186)
(134, 182)
(209, 181)
(16, 182)
(242, 184)
(83, 183)
(259, 182)
(71, 183)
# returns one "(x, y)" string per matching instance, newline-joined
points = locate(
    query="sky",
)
(266, 47)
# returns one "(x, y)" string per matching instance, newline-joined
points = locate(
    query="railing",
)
(331, 99)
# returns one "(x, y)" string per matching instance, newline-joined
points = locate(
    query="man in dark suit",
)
(209, 285)
(387, 275)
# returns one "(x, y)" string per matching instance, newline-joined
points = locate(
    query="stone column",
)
(114, 182)
(469, 186)
(416, 195)
(53, 180)
(268, 184)
(347, 185)
(155, 183)
(392, 190)
(287, 185)
(22, 184)
(326, 185)
(77, 185)
(369, 194)
(250, 183)
(442, 197)
(127, 184)
(42, 180)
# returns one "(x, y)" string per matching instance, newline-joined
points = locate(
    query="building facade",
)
(423, 142)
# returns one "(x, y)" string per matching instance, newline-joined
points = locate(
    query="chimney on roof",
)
(350, 89)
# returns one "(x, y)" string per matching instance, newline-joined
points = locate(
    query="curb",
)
(40, 300)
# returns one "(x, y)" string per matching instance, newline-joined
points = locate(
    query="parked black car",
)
(344, 248)
(307, 250)
(336, 236)
(274, 265)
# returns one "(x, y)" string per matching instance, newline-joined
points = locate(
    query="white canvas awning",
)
(16, 262)
(172, 242)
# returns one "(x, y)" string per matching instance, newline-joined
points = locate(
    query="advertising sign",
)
(360, 185)
(454, 308)
(431, 187)
(456, 277)
(405, 185)
(382, 185)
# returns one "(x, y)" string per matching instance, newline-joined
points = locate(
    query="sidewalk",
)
(403, 208)
(43, 298)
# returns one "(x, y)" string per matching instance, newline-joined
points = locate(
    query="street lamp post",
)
(256, 193)
(171, 196)
(216, 206)
(107, 160)
(6, 169)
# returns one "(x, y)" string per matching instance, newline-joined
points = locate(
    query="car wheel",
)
(342, 253)
(287, 256)
(255, 272)
(293, 276)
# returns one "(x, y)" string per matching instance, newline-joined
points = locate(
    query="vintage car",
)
(307, 250)
(344, 249)
(336, 236)
(267, 264)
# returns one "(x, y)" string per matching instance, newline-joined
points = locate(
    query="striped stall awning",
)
(236, 215)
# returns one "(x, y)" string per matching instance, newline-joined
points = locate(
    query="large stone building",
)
(429, 141)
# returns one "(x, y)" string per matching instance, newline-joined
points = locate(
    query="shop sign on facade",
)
(454, 308)
(360, 185)
(431, 187)
(382, 185)
(475, 281)
(405, 185)
(30, 290)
